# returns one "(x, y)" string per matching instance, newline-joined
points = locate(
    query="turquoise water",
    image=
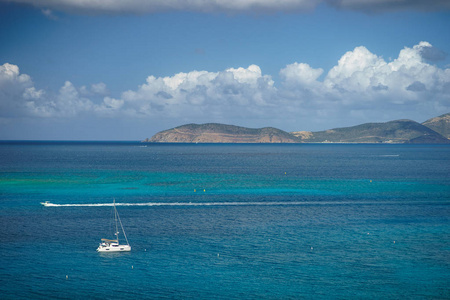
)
(226, 221)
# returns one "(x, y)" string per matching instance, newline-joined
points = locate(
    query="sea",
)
(225, 221)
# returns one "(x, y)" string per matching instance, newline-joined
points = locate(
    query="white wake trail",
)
(297, 203)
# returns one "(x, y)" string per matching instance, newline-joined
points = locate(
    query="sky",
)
(125, 70)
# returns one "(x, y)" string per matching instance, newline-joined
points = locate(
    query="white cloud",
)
(356, 71)
(300, 74)
(369, 76)
(361, 87)
(99, 89)
(10, 73)
(32, 93)
(228, 6)
(197, 92)
(96, 89)
(19, 97)
(361, 84)
(364, 84)
(109, 107)
(15, 89)
(68, 103)
(246, 76)
(112, 103)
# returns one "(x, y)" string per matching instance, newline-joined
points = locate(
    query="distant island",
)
(432, 131)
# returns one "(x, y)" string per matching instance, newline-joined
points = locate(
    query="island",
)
(432, 131)
(221, 133)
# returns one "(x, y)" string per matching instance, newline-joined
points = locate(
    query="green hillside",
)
(433, 131)
(440, 124)
(399, 131)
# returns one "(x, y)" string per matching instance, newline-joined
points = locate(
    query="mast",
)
(116, 233)
(121, 226)
(117, 218)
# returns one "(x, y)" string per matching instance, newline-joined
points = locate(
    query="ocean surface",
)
(225, 221)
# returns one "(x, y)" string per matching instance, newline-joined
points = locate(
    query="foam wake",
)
(48, 204)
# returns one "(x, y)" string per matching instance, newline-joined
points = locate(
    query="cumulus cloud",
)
(416, 86)
(19, 97)
(15, 90)
(229, 6)
(364, 84)
(67, 103)
(361, 87)
(432, 54)
(299, 74)
(99, 89)
(360, 71)
(32, 93)
(199, 92)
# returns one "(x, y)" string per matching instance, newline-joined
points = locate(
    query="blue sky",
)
(93, 71)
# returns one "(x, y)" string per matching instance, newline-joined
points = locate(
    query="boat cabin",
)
(107, 243)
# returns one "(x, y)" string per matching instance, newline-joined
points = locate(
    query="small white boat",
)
(114, 245)
(47, 203)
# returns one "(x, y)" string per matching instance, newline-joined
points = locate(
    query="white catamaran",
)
(108, 245)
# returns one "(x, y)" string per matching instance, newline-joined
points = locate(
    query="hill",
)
(433, 131)
(399, 131)
(220, 133)
(440, 124)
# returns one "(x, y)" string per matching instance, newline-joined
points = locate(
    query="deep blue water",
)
(226, 221)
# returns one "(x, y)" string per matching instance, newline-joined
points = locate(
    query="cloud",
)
(99, 89)
(96, 89)
(416, 86)
(49, 14)
(229, 6)
(356, 71)
(15, 90)
(431, 53)
(20, 98)
(299, 74)
(109, 107)
(361, 87)
(32, 93)
(154, 6)
(360, 71)
(378, 6)
(68, 103)
(364, 84)
(198, 93)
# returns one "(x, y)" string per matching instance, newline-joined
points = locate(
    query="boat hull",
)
(114, 248)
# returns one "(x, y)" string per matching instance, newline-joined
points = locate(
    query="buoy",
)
(204, 190)
(218, 254)
(132, 267)
(67, 276)
(284, 173)
(312, 248)
(370, 180)
(145, 249)
(194, 190)
(394, 242)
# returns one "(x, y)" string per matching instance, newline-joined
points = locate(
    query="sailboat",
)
(114, 245)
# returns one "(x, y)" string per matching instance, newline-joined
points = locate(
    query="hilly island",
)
(432, 131)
